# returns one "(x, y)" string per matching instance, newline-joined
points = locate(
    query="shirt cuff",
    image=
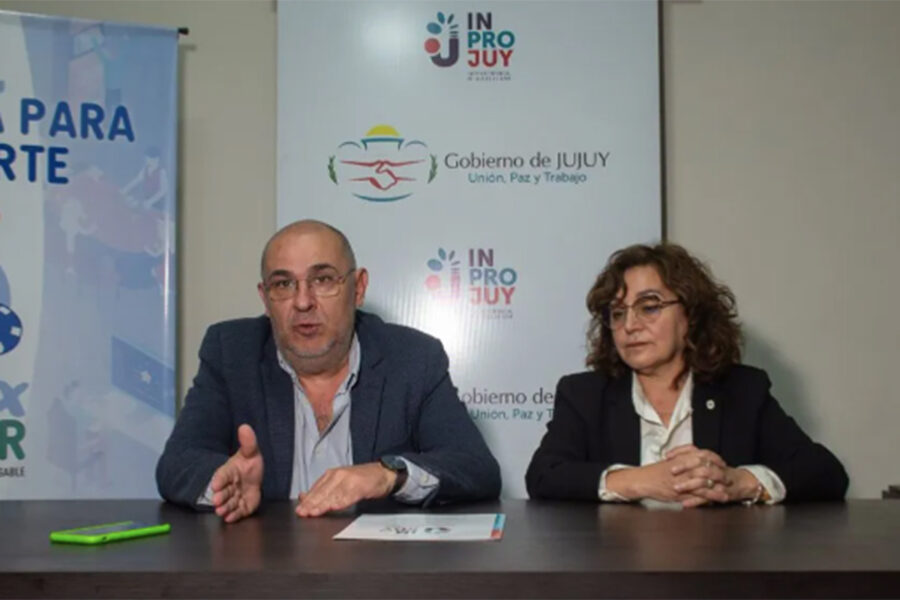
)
(769, 480)
(418, 486)
(604, 494)
(206, 497)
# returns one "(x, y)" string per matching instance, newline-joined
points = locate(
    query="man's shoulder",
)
(254, 327)
(239, 338)
(376, 327)
(394, 341)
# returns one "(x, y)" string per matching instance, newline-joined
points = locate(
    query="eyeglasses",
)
(321, 284)
(646, 310)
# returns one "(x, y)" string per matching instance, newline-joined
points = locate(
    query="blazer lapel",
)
(278, 391)
(624, 427)
(365, 397)
(706, 419)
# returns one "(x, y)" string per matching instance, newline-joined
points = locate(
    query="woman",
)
(667, 413)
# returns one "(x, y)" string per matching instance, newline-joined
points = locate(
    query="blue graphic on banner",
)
(10, 398)
(142, 376)
(10, 329)
(87, 158)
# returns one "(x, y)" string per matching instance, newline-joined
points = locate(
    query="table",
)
(549, 550)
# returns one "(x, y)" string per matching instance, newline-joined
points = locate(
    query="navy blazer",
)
(403, 403)
(594, 425)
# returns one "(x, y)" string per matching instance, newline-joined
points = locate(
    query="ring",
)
(709, 483)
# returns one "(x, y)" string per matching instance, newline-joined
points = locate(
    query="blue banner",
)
(87, 256)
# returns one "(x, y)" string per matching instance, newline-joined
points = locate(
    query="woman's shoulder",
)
(592, 385)
(583, 379)
(744, 380)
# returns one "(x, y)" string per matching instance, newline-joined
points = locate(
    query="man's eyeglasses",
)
(646, 310)
(321, 284)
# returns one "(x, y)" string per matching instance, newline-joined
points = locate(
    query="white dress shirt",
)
(657, 439)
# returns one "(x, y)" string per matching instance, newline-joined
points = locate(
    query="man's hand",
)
(236, 485)
(339, 488)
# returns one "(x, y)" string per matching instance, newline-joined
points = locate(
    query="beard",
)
(311, 353)
(314, 361)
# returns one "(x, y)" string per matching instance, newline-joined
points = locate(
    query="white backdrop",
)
(483, 199)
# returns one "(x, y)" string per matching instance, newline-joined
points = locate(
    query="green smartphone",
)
(108, 532)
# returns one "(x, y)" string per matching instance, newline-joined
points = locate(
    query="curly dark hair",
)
(714, 335)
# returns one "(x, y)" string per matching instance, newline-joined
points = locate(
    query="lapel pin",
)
(710, 404)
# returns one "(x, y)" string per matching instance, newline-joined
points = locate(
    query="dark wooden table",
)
(549, 550)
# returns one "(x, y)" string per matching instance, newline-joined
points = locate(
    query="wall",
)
(782, 129)
(783, 121)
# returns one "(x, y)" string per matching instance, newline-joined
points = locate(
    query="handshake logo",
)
(383, 166)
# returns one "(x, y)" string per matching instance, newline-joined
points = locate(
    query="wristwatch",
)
(398, 466)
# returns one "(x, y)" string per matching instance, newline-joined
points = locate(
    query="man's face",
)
(312, 332)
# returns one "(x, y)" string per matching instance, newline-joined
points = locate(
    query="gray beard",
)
(319, 361)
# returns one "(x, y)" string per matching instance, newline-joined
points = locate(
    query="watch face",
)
(394, 463)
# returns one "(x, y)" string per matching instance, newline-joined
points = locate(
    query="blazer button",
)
(710, 404)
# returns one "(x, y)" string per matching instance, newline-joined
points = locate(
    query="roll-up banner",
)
(87, 242)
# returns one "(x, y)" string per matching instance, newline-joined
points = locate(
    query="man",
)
(320, 401)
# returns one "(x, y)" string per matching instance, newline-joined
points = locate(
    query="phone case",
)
(108, 532)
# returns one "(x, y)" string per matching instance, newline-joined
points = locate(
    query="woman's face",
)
(650, 335)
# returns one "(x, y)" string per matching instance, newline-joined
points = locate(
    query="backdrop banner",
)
(484, 160)
(87, 241)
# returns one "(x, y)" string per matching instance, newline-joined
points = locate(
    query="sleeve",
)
(206, 498)
(203, 435)
(808, 470)
(560, 467)
(450, 447)
(419, 485)
(607, 495)
(769, 480)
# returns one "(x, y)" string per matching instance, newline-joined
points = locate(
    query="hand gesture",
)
(654, 481)
(705, 477)
(236, 485)
(340, 488)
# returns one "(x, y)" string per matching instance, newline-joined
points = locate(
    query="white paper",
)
(425, 527)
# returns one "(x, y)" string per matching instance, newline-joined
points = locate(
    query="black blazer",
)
(594, 426)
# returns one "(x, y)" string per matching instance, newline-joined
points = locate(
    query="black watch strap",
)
(398, 466)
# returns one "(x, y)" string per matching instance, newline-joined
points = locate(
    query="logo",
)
(435, 530)
(446, 28)
(481, 283)
(445, 282)
(382, 166)
(10, 329)
(488, 51)
(10, 398)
